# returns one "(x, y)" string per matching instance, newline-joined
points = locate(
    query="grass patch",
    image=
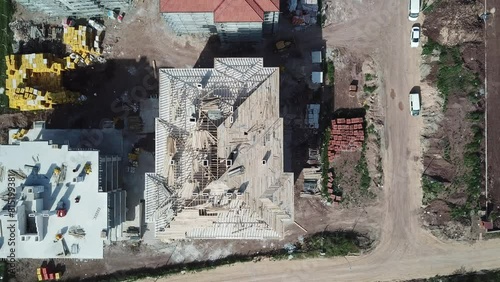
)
(431, 189)
(476, 116)
(452, 76)
(6, 39)
(369, 77)
(330, 71)
(474, 178)
(429, 47)
(460, 275)
(369, 89)
(447, 149)
(362, 168)
(320, 18)
(428, 8)
(370, 130)
(332, 244)
(325, 163)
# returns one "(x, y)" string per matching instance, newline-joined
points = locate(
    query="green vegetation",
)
(320, 18)
(339, 243)
(429, 47)
(452, 76)
(362, 168)
(369, 89)
(431, 189)
(325, 163)
(476, 116)
(370, 130)
(369, 77)
(6, 12)
(331, 244)
(473, 179)
(447, 149)
(428, 8)
(461, 276)
(330, 70)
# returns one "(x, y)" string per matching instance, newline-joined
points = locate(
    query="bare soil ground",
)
(129, 70)
(378, 28)
(448, 131)
(452, 22)
(404, 250)
(492, 113)
(352, 68)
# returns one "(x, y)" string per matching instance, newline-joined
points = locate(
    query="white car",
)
(415, 37)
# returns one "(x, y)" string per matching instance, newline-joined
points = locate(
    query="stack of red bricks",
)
(329, 185)
(346, 135)
(334, 198)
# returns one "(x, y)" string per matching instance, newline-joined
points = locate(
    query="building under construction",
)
(219, 154)
(233, 20)
(58, 200)
(78, 8)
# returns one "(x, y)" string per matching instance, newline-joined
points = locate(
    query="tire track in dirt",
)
(405, 250)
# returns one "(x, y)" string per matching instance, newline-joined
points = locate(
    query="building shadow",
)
(296, 88)
(112, 92)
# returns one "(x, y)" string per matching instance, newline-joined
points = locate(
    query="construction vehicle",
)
(87, 168)
(282, 45)
(58, 237)
(61, 209)
(44, 274)
(133, 157)
(20, 134)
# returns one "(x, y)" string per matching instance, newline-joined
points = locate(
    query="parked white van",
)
(414, 103)
(414, 10)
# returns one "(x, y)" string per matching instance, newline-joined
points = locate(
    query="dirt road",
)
(493, 102)
(404, 249)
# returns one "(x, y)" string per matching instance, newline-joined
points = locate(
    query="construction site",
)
(80, 8)
(54, 207)
(346, 135)
(35, 81)
(219, 155)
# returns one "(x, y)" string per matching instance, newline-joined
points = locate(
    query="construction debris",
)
(304, 13)
(27, 30)
(135, 123)
(76, 231)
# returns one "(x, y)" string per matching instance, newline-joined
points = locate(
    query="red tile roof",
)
(224, 10)
(183, 6)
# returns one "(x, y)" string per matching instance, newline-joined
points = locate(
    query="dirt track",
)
(492, 104)
(404, 249)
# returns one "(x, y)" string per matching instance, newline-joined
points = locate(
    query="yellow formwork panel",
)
(43, 70)
(81, 40)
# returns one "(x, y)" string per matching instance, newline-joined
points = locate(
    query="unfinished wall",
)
(81, 8)
(239, 32)
(270, 25)
(191, 23)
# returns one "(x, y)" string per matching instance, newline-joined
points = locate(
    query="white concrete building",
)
(48, 189)
(219, 154)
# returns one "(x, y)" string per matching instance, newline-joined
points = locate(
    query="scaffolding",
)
(78, 8)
